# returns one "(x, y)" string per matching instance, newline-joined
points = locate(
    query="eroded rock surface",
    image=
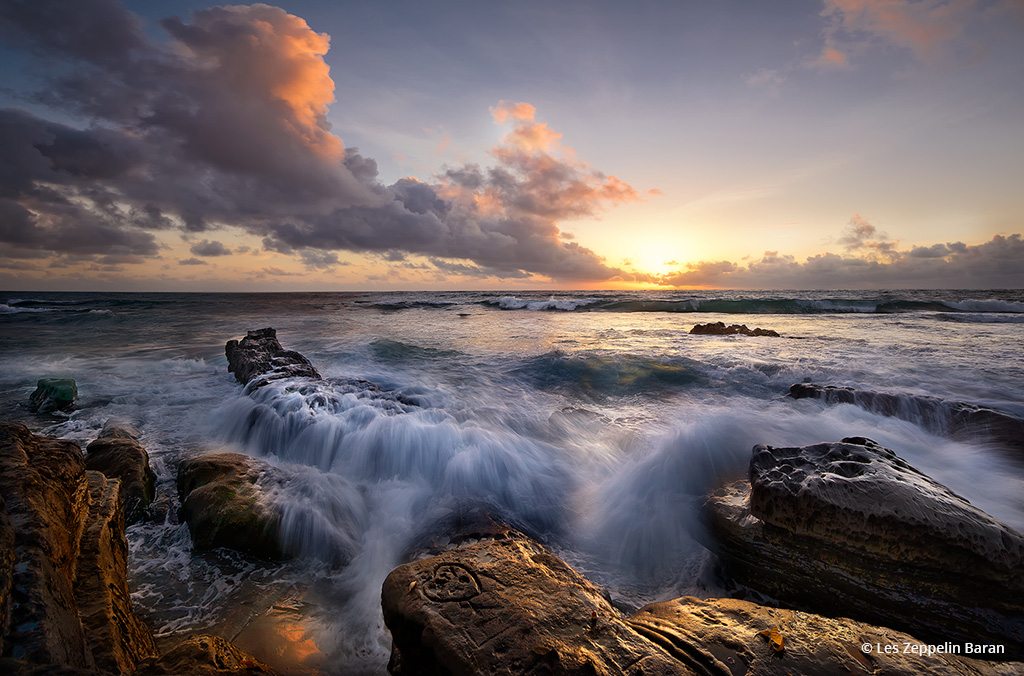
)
(259, 359)
(203, 654)
(222, 499)
(722, 329)
(951, 418)
(511, 606)
(118, 454)
(850, 528)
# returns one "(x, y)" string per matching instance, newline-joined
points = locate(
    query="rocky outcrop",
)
(511, 606)
(53, 394)
(259, 359)
(721, 329)
(950, 418)
(68, 601)
(223, 501)
(851, 529)
(118, 454)
(202, 654)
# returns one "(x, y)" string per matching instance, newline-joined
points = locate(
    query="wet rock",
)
(118, 454)
(721, 329)
(259, 359)
(116, 636)
(53, 394)
(223, 501)
(68, 598)
(510, 606)
(850, 528)
(950, 418)
(202, 654)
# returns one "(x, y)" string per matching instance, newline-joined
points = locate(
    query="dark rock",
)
(511, 606)
(950, 418)
(53, 394)
(224, 504)
(259, 359)
(69, 606)
(118, 454)
(116, 636)
(850, 528)
(721, 329)
(202, 654)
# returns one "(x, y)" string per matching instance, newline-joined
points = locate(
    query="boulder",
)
(118, 454)
(850, 528)
(65, 563)
(511, 606)
(53, 394)
(258, 358)
(202, 654)
(955, 419)
(721, 329)
(223, 501)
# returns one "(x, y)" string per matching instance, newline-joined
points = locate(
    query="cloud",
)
(223, 123)
(208, 247)
(192, 261)
(992, 264)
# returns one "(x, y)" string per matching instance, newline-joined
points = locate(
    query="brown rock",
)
(259, 359)
(118, 454)
(202, 654)
(850, 528)
(511, 606)
(223, 503)
(116, 636)
(721, 329)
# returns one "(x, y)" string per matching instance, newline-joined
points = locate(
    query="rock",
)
(69, 606)
(259, 359)
(950, 418)
(203, 654)
(117, 638)
(53, 394)
(118, 455)
(720, 329)
(223, 502)
(511, 606)
(850, 528)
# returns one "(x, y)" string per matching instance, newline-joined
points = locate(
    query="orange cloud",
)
(509, 110)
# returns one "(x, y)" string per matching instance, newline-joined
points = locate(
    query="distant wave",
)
(13, 309)
(758, 306)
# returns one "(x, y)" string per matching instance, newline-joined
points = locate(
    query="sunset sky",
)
(456, 145)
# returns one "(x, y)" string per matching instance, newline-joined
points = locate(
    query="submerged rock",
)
(851, 529)
(511, 606)
(202, 654)
(223, 502)
(721, 329)
(53, 394)
(68, 601)
(118, 454)
(259, 359)
(950, 418)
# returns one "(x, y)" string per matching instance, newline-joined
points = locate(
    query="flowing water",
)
(592, 420)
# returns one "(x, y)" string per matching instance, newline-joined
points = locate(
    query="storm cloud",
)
(223, 123)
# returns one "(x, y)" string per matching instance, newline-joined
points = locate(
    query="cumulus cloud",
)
(192, 261)
(992, 264)
(209, 247)
(222, 123)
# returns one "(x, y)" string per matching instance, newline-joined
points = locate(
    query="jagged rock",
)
(721, 329)
(53, 394)
(259, 359)
(223, 503)
(118, 454)
(850, 528)
(511, 606)
(116, 636)
(69, 606)
(951, 418)
(202, 654)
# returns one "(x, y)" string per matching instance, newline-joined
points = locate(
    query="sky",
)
(187, 146)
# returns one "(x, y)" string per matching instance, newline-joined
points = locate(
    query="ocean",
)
(592, 420)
